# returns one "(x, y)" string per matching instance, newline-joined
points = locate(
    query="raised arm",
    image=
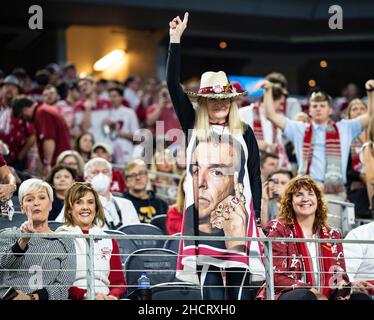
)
(182, 104)
(277, 118)
(365, 118)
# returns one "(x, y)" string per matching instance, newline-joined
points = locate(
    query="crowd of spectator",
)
(74, 150)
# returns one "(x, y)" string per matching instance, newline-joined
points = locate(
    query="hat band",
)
(217, 89)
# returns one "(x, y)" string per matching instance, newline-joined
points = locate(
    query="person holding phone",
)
(161, 118)
(273, 190)
(24, 265)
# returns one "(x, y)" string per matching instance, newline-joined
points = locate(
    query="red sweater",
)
(173, 221)
(116, 278)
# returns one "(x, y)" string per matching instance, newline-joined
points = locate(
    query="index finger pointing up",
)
(185, 18)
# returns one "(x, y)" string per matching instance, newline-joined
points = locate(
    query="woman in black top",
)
(223, 182)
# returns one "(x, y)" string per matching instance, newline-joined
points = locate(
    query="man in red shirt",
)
(52, 133)
(17, 134)
(162, 120)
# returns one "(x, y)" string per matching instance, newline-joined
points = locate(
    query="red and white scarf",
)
(327, 263)
(333, 182)
(356, 146)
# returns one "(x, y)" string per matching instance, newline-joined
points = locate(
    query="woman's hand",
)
(26, 227)
(363, 287)
(6, 191)
(101, 296)
(177, 27)
(265, 84)
(369, 85)
(318, 295)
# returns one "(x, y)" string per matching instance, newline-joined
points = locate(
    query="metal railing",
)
(90, 255)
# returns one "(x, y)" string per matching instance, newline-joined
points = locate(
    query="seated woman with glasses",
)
(306, 270)
(84, 215)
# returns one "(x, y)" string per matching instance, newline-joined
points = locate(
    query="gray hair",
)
(93, 163)
(33, 185)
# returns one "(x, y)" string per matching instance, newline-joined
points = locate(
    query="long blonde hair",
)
(202, 125)
(179, 204)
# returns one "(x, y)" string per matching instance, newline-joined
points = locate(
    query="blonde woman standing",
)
(223, 183)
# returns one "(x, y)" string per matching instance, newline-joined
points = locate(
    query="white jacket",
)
(102, 252)
(359, 258)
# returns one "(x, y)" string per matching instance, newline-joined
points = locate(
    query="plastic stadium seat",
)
(172, 245)
(53, 225)
(144, 229)
(17, 220)
(159, 264)
(126, 246)
(176, 291)
(160, 222)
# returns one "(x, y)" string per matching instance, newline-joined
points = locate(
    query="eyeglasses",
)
(135, 175)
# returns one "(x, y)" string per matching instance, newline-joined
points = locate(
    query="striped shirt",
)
(46, 266)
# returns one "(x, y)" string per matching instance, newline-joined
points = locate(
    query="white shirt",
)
(127, 210)
(246, 115)
(132, 98)
(359, 257)
(312, 247)
(348, 130)
(128, 122)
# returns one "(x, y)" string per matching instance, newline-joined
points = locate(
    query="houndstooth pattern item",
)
(48, 264)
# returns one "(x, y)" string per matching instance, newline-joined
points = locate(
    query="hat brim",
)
(194, 95)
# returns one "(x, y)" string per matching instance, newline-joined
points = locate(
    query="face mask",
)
(100, 183)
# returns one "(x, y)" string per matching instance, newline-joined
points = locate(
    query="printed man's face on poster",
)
(213, 168)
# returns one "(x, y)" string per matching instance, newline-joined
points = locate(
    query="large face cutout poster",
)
(220, 200)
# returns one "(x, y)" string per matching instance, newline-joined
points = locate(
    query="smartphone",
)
(10, 294)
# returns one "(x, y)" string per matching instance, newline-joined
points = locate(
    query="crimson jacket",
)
(289, 264)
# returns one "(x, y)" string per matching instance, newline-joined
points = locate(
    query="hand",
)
(265, 84)
(47, 168)
(88, 104)
(234, 218)
(6, 191)
(363, 286)
(265, 191)
(101, 296)
(318, 295)
(26, 227)
(22, 296)
(177, 27)
(108, 122)
(369, 85)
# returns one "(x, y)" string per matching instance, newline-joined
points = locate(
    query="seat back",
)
(160, 222)
(176, 291)
(53, 225)
(159, 264)
(17, 219)
(126, 246)
(144, 229)
(171, 244)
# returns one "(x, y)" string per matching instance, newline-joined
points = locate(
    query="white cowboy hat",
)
(215, 85)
